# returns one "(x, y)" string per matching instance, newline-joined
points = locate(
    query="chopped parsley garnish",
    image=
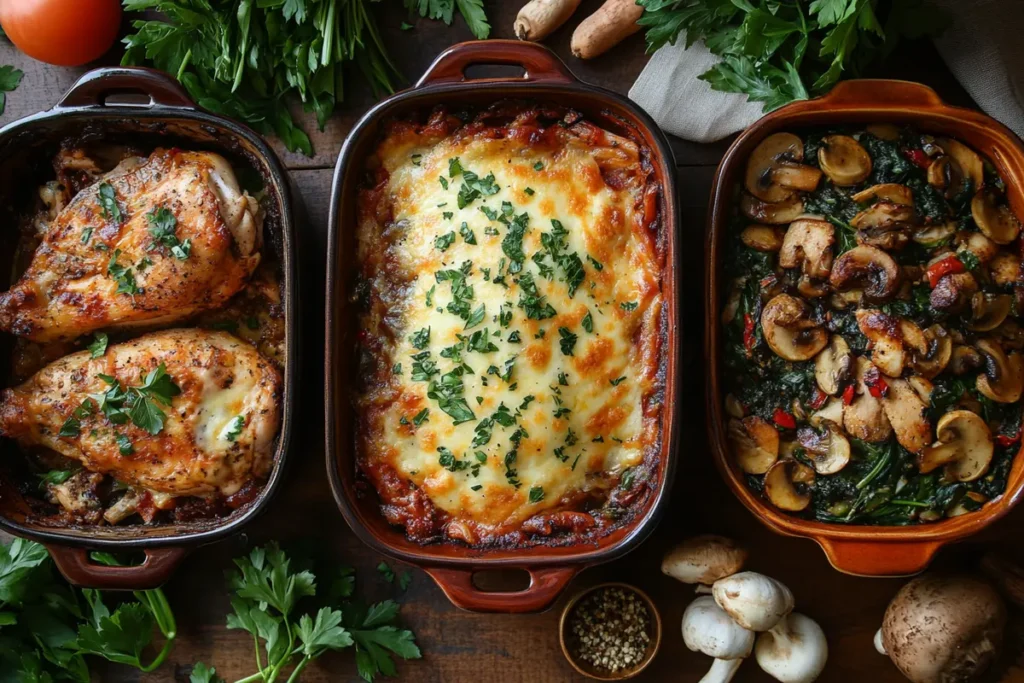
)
(536, 494)
(526, 402)
(462, 293)
(529, 191)
(512, 244)
(162, 227)
(108, 203)
(557, 245)
(561, 411)
(626, 482)
(588, 322)
(476, 487)
(454, 167)
(563, 379)
(123, 275)
(86, 234)
(567, 341)
(489, 212)
(234, 428)
(421, 417)
(430, 296)
(505, 316)
(618, 381)
(444, 181)
(473, 187)
(444, 241)
(628, 306)
(420, 339)
(448, 460)
(449, 396)
(72, 427)
(532, 302)
(397, 369)
(480, 342)
(467, 235)
(476, 317)
(423, 367)
(538, 166)
(514, 337)
(417, 159)
(447, 215)
(98, 346)
(594, 262)
(124, 444)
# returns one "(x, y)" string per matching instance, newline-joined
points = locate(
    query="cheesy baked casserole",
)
(510, 326)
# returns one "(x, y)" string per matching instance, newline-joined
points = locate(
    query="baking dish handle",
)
(541, 64)
(866, 558)
(93, 87)
(892, 93)
(79, 569)
(545, 586)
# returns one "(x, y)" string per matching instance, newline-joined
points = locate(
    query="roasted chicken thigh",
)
(180, 412)
(154, 241)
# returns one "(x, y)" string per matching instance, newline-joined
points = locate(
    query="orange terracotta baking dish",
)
(860, 550)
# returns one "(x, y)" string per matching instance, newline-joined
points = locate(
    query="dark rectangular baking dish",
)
(452, 566)
(169, 119)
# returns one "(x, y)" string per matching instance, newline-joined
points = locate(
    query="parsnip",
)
(611, 24)
(539, 18)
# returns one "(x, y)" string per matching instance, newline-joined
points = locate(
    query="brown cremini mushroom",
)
(1003, 379)
(945, 175)
(939, 350)
(994, 219)
(964, 447)
(964, 359)
(772, 151)
(867, 268)
(828, 449)
(1005, 269)
(844, 160)
(762, 237)
(833, 365)
(890, 192)
(755, 444)
(789, 331)
(988, 311)
(953, 292)
(932, 235)
(943, 628)
(779, 213)
(808, 246)
(787, 485)
(703, 559)
(968, 160)
(884, 225)
(796, 176)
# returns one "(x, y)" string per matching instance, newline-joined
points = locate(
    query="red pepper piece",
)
(819, 398)
(1003, 440)
(748, 332)
(919, 157)
(877, 387)
(784, 419)
(940, 269)
(848, 395)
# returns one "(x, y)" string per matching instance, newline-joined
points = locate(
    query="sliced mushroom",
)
(935, 234)
(979, 245)
(994, 219)
(939, 351)
(788, 330)
(843, 160)
(1005, 269)
(1010, 335)
(945, 175)
(808, 244)
(828, 449)
(894, 340)
(969, 161)
(905, 411)
(964, 359)
(755, 444)
(833, 365)
(884, 225)
(1003, 379)
(922, 386)
(964, 447)
(953, 292)
(988, 311)
(832, 411)
(796, 176)
(889, 192)
(780, 213)
(884, 131)
(762, 237)
(868, 268)
(810, 288)
(787, 485)
(865, 418)
(773, 150)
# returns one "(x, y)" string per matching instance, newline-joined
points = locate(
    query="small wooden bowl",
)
(565, 638)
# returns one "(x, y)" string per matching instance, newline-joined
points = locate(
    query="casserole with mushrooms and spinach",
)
(872, 338)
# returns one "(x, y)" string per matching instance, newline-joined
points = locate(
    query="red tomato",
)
(62, 32)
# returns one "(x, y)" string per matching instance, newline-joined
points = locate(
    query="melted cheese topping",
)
(516, 383)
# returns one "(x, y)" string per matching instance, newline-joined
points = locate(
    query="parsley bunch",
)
(267, 592)
(246, 58)
(777, 51)
(48, 628)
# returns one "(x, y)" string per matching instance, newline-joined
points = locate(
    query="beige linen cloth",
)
(982, 48)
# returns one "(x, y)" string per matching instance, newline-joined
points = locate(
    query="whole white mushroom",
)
(755, 601)
(703, 559)
(709, 630)
(793, 651)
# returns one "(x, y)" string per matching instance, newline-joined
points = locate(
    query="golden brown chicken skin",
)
(154, 241)
(182, 412)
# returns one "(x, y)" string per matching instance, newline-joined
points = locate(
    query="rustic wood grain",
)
(459, 646)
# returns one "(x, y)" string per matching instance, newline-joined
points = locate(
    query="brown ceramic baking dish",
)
(452, 566)
(861, 550)
(169, 118)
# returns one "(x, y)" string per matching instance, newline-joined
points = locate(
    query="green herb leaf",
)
(108, 203)
(204, 674)
(10, 79)
(98, 346)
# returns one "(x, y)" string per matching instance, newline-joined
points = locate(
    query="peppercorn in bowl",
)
(864, 322)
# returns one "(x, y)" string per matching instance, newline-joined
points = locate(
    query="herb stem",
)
(160, 658)
(914, 503)
(298, 669)
(258, 676)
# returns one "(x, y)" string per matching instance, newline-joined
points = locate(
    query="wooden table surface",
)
(460, 646)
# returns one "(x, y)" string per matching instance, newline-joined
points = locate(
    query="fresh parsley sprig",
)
(777, 52)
